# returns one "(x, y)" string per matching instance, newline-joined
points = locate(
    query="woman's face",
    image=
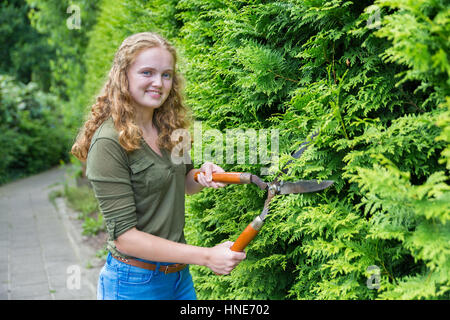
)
(150, 77)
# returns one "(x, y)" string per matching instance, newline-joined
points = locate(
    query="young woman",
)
(126, 143)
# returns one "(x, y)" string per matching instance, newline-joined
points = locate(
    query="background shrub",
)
(31, 136)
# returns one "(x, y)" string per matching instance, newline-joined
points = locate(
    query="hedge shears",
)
(274, 188)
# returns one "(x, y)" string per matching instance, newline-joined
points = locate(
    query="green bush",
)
(67, 65)
(24, 53)
(32, 137)
(372, 89)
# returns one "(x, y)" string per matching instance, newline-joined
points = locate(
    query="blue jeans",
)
(120, 281)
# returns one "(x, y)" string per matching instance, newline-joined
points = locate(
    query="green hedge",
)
(373, 79)
(373, 91)
(32, 137)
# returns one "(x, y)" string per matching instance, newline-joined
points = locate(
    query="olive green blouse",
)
(136, 189)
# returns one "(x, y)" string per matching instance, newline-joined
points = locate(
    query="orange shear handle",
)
(228, 177)
(247, 235)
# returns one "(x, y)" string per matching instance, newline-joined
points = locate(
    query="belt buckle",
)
(122, 259)
(167, 268)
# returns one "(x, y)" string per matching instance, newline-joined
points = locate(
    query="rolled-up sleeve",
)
(107, 170)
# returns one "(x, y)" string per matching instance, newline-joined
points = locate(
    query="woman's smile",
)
(155, 94)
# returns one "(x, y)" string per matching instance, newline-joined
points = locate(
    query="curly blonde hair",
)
(115, 101)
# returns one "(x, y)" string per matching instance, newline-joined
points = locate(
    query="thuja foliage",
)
(372, 79)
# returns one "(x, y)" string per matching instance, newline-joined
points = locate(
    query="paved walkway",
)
(42, 255)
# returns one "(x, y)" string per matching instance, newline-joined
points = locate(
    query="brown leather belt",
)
(150, 266)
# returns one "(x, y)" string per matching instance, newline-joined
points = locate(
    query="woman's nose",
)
(157, 80)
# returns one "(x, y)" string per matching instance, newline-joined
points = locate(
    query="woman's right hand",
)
(222, 260)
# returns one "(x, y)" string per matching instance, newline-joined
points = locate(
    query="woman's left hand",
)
(205, 176)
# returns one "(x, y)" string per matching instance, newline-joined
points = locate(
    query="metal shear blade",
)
(303, 186)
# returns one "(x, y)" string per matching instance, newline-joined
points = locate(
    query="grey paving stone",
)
(39, 291)
(35, 249)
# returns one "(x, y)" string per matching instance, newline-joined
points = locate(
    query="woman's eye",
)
(150, 73)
